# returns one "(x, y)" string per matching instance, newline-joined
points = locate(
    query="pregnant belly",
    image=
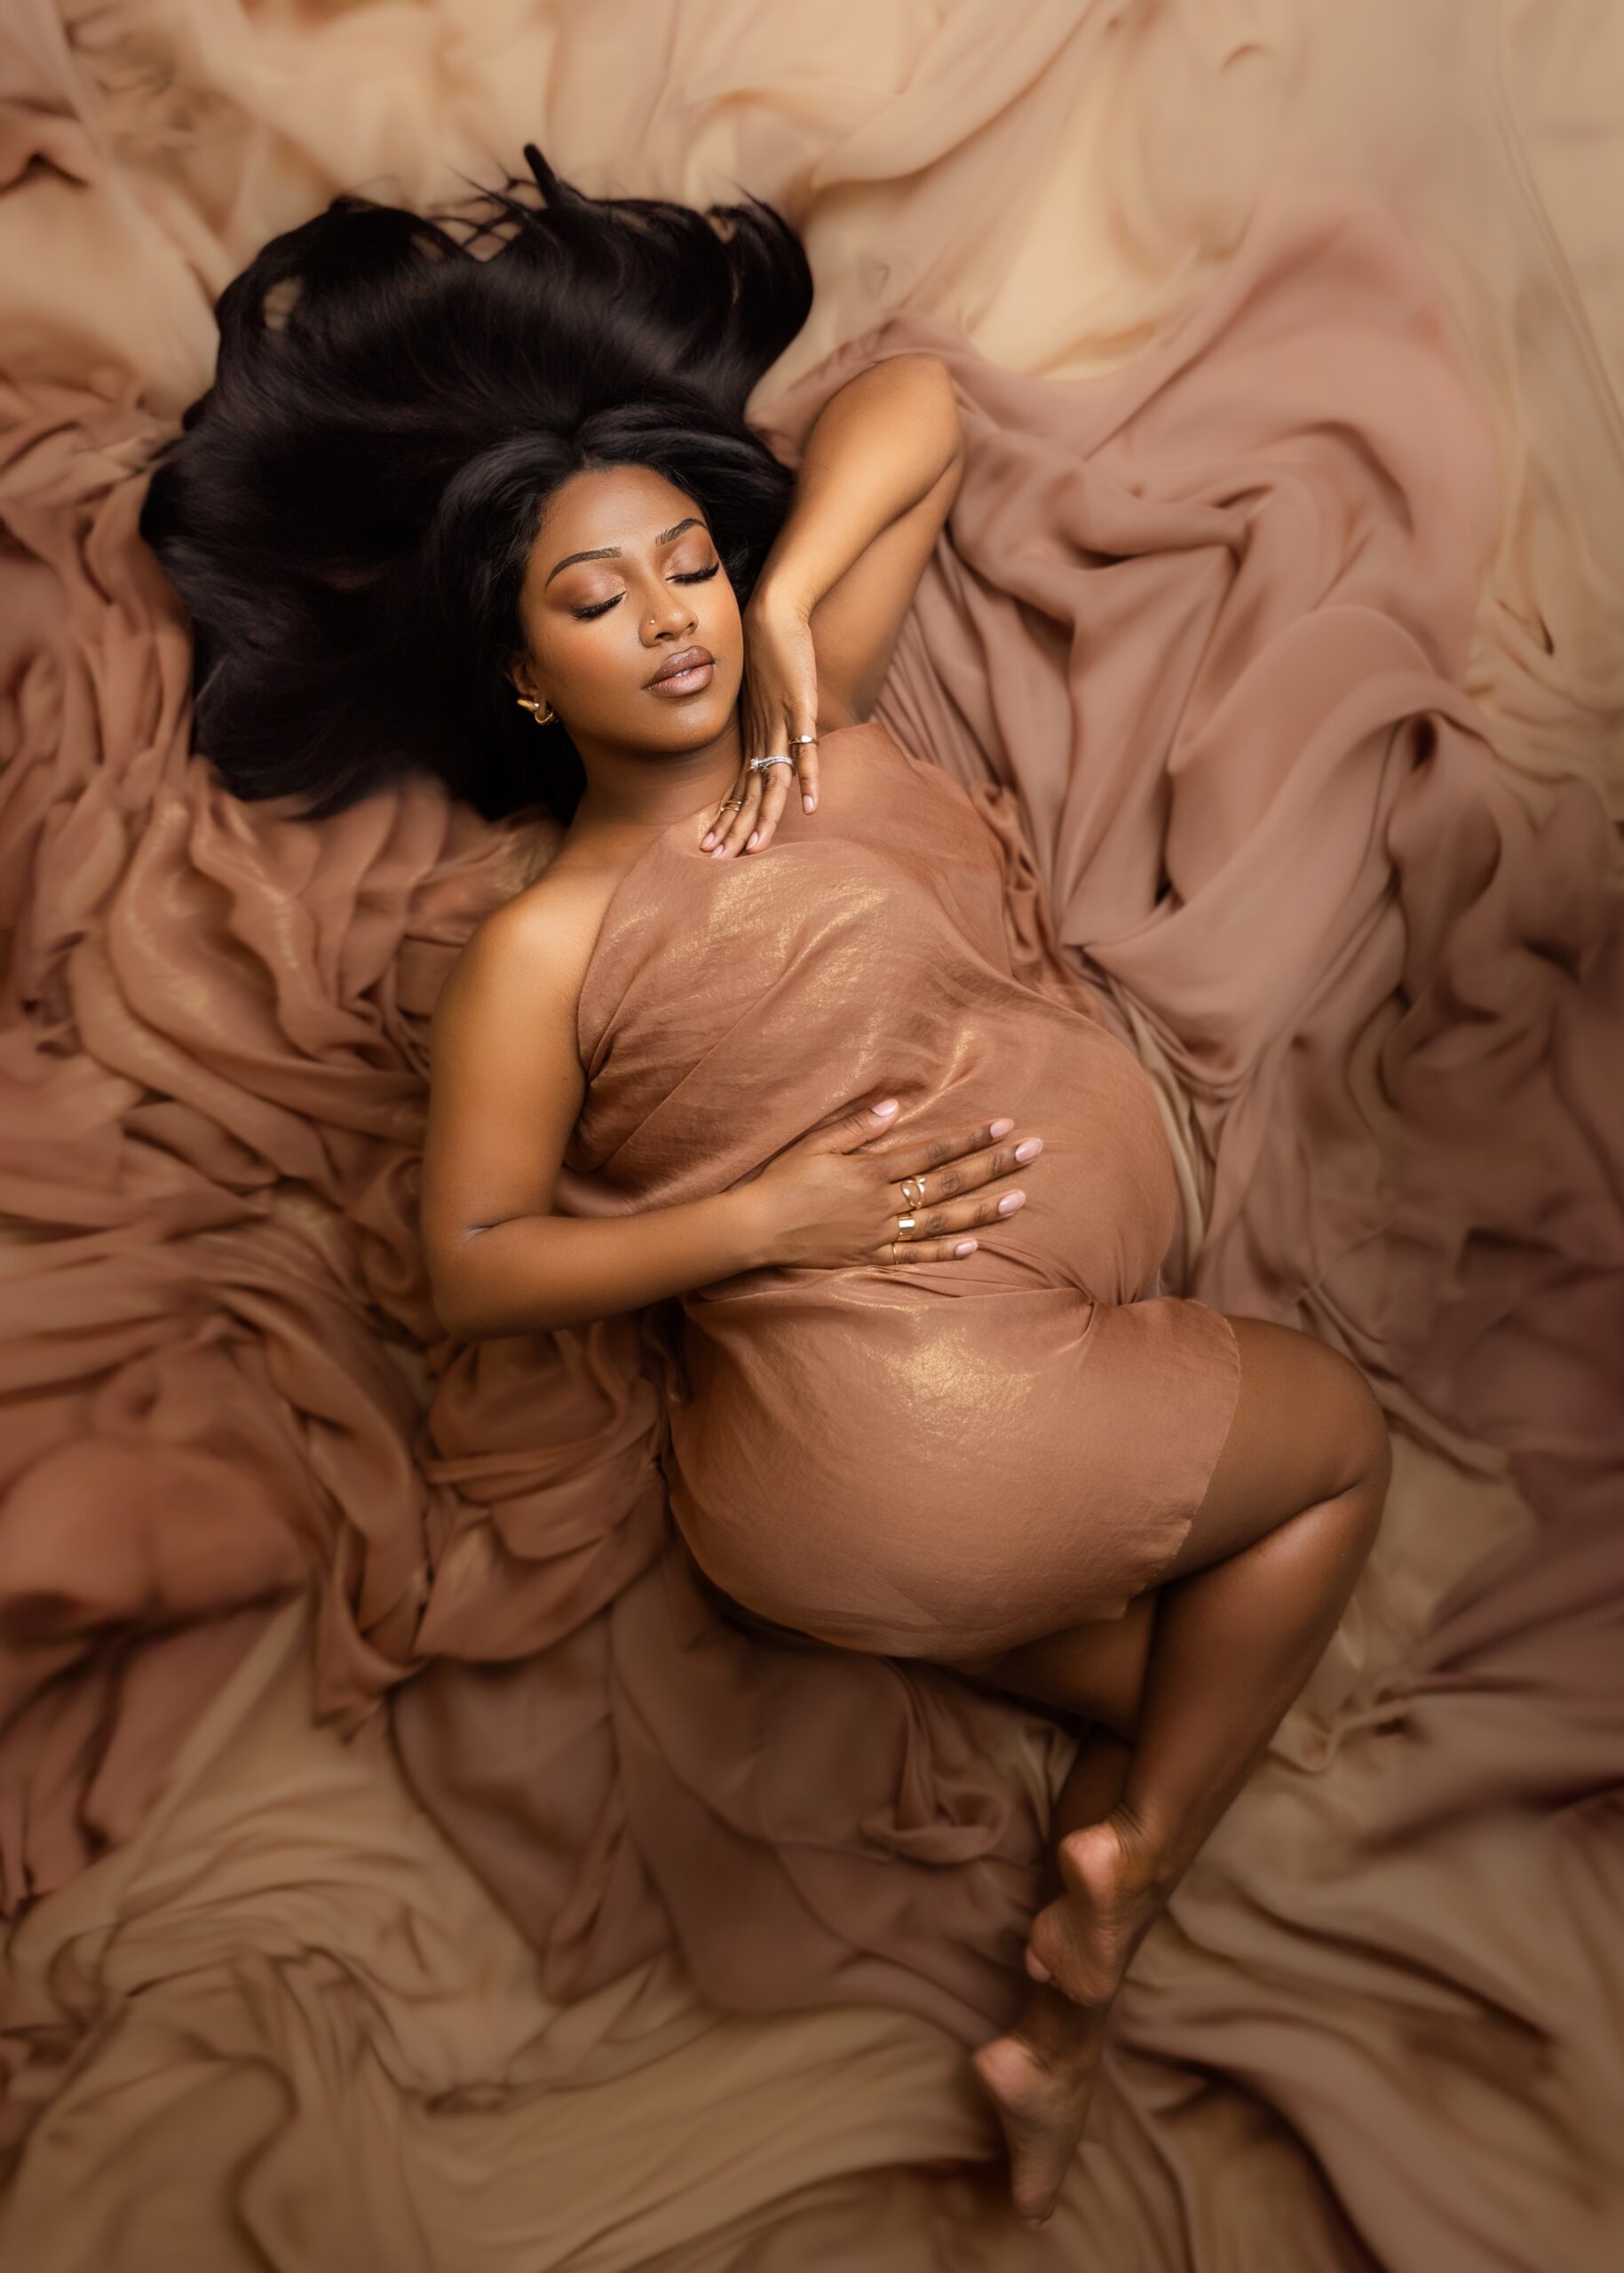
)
(856, 1440)
(1102, 1198)
(1101, 1205)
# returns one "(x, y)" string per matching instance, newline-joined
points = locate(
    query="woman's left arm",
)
(879, 473)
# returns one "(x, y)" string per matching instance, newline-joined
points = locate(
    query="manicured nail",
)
(1000, 1128)
(719, 852)
(967, 1246)
(1010, 1201)
(889, 1106)
(1030, 1149)
(754, 839)
(709, 836)
(807, 803)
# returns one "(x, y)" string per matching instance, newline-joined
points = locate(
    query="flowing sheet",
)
(1272, 630)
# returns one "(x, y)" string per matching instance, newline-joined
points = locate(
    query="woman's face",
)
(600, 630)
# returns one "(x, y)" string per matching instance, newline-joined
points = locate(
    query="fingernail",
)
(710, 837)
(966, 1246)
(806, 804)
(1000, 1128)
(719, 852)
(754, 838)
(1010, 1201)
(890, 1105)
(1036, 1967)
(1030, 1149)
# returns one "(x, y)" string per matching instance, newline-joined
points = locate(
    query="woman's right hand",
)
(830, 1203)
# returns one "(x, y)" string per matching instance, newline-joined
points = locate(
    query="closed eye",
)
(691, 576)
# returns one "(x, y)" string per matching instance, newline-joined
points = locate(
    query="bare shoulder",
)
(532, 952)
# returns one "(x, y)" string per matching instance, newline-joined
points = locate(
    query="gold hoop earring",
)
(534, 709)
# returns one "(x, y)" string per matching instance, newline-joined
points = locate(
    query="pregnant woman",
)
(754, 1041)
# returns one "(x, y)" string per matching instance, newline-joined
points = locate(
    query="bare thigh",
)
(1306, 1428)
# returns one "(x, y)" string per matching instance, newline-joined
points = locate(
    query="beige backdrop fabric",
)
(280, 2022)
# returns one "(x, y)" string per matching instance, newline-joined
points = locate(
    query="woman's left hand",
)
(780, 702)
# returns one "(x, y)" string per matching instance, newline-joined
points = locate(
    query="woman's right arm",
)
(505, 1091)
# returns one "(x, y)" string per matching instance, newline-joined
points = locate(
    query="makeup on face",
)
(689, 671)
(626, 552)
(588, 610)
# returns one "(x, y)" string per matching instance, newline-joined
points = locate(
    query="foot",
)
(1115, 1887)
(1043, 2102)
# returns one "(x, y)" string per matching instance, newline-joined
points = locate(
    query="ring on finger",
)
(905, 1224)
(917, 1197)
(716, 834)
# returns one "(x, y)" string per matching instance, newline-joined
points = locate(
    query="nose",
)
(666, 610)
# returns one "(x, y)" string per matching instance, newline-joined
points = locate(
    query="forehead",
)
(619, 504)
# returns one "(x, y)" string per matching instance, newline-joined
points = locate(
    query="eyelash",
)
(693, 577)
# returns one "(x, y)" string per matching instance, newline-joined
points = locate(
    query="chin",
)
(693, 724)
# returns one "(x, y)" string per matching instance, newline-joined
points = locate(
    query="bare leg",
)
(1040, 2076)
(1250, 1602)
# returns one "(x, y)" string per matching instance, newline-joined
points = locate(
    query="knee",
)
(1364, 1454)
(1318, 1411)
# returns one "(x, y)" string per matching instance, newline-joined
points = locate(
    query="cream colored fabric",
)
(280, 2022)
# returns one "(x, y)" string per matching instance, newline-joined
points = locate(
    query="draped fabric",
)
(886, 1456)
(1271, 636)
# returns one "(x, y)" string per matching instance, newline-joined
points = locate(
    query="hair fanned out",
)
(348, 510)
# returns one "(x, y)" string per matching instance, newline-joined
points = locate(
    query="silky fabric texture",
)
(934, 1460)
(265, 2016)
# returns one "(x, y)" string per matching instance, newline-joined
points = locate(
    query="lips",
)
(678, 666)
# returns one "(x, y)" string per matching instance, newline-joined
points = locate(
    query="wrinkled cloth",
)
(933, 1460)
(1276, 623)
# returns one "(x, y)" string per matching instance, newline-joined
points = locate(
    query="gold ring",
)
(905, 1223)
(801, 738)
(917, 1197)
(730, 801)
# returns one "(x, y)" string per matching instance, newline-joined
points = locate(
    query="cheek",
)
(719, 625)
(722, 629)
(585, 665)
(722, 611)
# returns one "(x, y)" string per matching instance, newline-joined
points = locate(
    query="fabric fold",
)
(1273, 646)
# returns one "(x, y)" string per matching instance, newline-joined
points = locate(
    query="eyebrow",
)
(613, 551)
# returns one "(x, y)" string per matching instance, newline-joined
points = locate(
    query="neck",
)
(648, 789)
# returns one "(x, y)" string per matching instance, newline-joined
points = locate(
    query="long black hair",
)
(347, 512)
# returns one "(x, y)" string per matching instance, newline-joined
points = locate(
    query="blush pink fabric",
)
(1196, 641)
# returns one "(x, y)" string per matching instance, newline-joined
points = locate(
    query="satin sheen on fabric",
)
(1209, 623)
(932, 1460)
